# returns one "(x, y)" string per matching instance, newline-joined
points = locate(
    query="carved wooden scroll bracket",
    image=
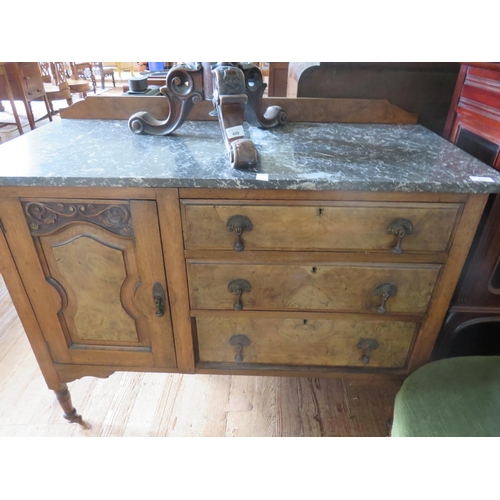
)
(236, 91)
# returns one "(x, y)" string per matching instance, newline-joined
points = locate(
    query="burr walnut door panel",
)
(104, 260)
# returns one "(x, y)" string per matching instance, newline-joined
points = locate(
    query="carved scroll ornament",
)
(183, 89)
(45, 218)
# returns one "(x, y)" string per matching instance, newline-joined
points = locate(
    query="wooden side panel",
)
(23, 307)
(45, 300)
(326, 286)
(444, 291)
(304, 342)
(319, 226)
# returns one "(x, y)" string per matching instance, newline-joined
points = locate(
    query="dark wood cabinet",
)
(472, 326)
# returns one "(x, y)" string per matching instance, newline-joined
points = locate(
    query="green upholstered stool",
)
(457, 397)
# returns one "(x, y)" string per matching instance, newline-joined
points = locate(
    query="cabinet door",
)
(107, 302)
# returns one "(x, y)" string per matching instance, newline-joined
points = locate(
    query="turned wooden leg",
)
(64, 398)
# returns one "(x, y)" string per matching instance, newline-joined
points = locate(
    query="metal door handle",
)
(159, 299)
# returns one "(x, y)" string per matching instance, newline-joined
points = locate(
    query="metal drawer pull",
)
(238, 287)
(367, 346)
(400, 228)
(159, 299)
(239, 341)
(238, 224)
(384, 290)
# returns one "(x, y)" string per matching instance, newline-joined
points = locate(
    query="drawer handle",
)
(400, 228)
(367, 346)
(239, 341)
(159, 299)
(386, 291)
(238, 287)
(238, 224)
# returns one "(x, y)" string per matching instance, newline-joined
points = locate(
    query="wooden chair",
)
(83, 71)
(55, 83)
(119, 67)
(104, 71)
(76, 85)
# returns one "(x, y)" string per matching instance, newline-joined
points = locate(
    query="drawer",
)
(346, 287)
(31, 76)
(308, 342)
(320, 226)
(35, 93)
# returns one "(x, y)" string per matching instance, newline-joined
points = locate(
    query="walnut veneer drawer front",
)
(423, 227)
(332, 286)
(304, 342)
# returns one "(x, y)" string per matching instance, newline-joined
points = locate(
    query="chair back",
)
(54, 73)
(46, 72)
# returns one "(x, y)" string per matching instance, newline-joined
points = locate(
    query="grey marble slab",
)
(104, 153)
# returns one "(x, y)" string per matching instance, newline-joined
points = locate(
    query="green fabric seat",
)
(457, 397)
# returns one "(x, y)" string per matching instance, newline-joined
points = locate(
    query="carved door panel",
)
(104, 261)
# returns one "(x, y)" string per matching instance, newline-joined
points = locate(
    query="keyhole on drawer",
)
(304, 321)
(314, 270)
(320, 211)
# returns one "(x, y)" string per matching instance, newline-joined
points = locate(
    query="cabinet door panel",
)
(103, 260)
(97, 281)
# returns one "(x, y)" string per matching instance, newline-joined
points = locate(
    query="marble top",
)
(309, 156)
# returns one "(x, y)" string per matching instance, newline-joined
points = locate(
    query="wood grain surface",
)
(304, 342)
(319, 226)
(92, 275)
(327, 286)
(157, 404)
(109, 107)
